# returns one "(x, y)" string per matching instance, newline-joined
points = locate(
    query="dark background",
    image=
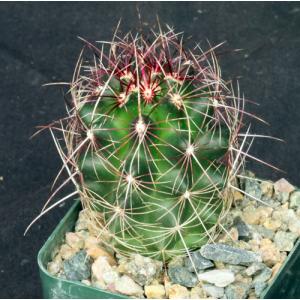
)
(38, 44)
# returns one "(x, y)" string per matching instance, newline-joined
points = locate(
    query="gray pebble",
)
(213, 291)
(252, 187)
(228, 254)
(263, 231)
(238, 290)
(282, 197)
(263, 276)
(182, 276)
(78, 267)
(243, 229)
(142, 270)
(295, 199)
(284, 241)
(259, 288)
(246, 175)
(236, 269)
(198, 260)
(272, 202)
(254, 269)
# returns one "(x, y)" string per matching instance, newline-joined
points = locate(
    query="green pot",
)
(286, 284)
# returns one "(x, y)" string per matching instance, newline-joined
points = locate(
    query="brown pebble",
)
(282, 185)
(96, 252)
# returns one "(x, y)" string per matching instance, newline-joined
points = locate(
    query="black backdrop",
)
(38, 44)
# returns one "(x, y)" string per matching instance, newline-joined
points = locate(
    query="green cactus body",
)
(153, 145)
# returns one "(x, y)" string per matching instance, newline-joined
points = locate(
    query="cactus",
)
(152, 139)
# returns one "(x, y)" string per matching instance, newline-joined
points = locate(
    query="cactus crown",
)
(152, 142)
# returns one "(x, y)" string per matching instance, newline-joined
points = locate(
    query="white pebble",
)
(220, 278)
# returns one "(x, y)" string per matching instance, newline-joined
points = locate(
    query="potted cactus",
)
(153, 143)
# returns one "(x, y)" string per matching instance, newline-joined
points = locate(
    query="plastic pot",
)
(286, 284)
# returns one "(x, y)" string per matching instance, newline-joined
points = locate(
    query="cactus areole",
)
(150, 134)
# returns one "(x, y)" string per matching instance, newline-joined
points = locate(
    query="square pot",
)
(286, 283)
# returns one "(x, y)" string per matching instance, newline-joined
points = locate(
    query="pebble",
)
(280, 212)
(269, 252)
(231, 235)
(264, 213)
(182, 276)
(220, 278)
(294, 226)
(237, 290)
(263, 276)
(219, 265)
(284, 241)
(237, 196)
(55, 265)
(263, 231)
(267, 188)
(74, 240)
(236, 269)
(83, 234)
(272, 224)
(177, 291)
(91, 241)
(167, 284)
(275, 269)
(244, 176)
(252, 188)
(285, 215)
(96, 230)
(96, 252)
(283, 256)
(244, 232)
(282, 185)
(82, 222)
(55, 252)
(99, 267)
(66, 251)
(213, 291)
(295, 200)
(125, 285)
(250, 215)
(282, 197)
(242, 245)
(142, 269)
(259, 287)
(176, 261)
(289, 216)
(251, 294)
(198, 261)
(254, 244)
(254, 269)
(110, 278)
(86, 282)
(243, 279)
(156, 291)
(57, 258)
(198, 292)
(99, 285)
(78, 267)
(228, 254)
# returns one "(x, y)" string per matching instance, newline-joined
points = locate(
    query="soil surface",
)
(39, 45)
